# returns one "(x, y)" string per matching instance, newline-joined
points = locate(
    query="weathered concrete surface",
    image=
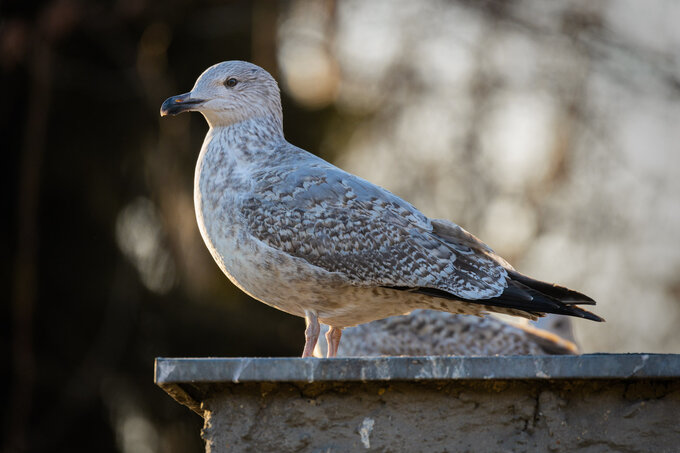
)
(470, 416)
(623, 408)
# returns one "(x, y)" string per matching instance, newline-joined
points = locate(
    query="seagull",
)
(437, 333)
(303, 236)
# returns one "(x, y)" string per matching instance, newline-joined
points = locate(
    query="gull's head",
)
(228, 93)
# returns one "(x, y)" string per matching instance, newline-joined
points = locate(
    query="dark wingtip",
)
(564, 295)
(581, 313)
(576, 298)
(515, 296)
(579, 302)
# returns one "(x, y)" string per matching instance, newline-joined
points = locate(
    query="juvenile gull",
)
(436, 333)
(308, 238)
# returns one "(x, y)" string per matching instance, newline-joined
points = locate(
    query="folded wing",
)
(344, 224)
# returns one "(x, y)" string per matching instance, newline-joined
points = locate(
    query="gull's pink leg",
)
(333, 339)
(311, 333)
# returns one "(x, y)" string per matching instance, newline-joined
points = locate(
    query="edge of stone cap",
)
(588, 366)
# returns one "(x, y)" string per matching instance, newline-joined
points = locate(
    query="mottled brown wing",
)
(344, 224)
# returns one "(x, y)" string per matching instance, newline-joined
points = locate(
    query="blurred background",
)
(549, 129)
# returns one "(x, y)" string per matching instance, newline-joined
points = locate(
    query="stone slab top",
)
(171, 371)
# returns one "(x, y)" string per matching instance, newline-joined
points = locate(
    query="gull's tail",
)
(532, 296)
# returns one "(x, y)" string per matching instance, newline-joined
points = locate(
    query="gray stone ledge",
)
(588, 366)
(594, 403)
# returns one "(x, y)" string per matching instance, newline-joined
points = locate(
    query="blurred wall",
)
(547, 129)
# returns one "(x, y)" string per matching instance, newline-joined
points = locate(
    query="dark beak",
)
(180, 103)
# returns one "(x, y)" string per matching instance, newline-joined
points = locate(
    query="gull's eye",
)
(230, 82)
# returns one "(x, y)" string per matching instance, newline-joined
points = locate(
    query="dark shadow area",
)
(83, 316)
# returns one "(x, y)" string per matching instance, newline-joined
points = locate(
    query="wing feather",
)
(342, 223)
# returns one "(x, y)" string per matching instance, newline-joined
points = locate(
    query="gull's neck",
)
(251, 135)
(228, 154)
(229, 151)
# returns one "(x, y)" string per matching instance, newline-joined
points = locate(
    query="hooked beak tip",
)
(178, 104)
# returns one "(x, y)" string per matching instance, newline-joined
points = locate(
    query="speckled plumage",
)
(434, 333)
(308, 238)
